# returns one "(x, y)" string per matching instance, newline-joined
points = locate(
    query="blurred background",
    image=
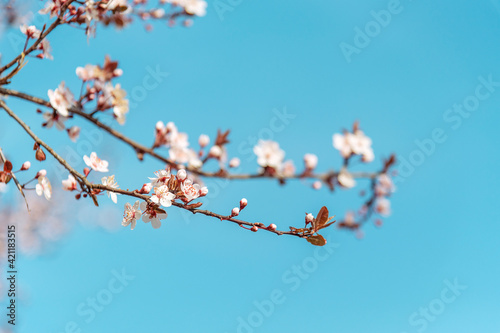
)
(406, 70)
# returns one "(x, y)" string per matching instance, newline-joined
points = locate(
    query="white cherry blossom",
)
(96, 163)
(61, 99)
(163, 196)
(269, 154)
(54, 118)
(131, 215)
(69, 184)
(162, 177)
(151, 215)
(111, 182)
(191, 191)
(44, 187)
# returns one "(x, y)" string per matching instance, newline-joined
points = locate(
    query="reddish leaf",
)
(317, 240)
(40, 155)
(221, 138)
(7, 167)
(320, 219)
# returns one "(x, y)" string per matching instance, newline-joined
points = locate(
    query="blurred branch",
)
(139, 148)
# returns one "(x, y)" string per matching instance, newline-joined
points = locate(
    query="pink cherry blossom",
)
(288, 169)
(151, 215)
(383, 206)
(31, 31)
(356, 143)
(46, 49)
(269, 154)
(162, 177)
(384, 185)
(163, 196)
(120, 104)
(310, 161)
(342, 143)
(345, 179)
(52, 7)
(61, 99)
(44, 187)
(195, 7)
(87, 73)
(131, 215)
(96, 163)
(69, 184)
(191, 191)
(111, 182)
(349, 219)
(54, 118)
(74, 133)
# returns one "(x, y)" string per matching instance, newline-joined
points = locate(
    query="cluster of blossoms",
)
(100, 89)
(177, 143)
(378, 204)
(354, 143)
(270, 157)
(32, 32)
(121, 12)
(166, 189)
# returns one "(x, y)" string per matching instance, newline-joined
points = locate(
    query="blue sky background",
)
(196, 274)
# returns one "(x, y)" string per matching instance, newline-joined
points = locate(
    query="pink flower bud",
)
(311, 161)
(203, 140)
(146, 188)
(181, 174)
(234, 162)
(86, 171)
(309, 218)
(41, 173)
(160, 126)
(243, 203)
(203, 191)
(26, 165)
(235, 211)
(317, 185)
(215, 151)
(272, 227)
(254, 228)
(158, 13)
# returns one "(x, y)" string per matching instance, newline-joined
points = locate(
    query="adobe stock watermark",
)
(364, 36)
(223, 6)
(454, 117)
(150, 81)
(429, 313)
(292, 279)
(89, 309)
